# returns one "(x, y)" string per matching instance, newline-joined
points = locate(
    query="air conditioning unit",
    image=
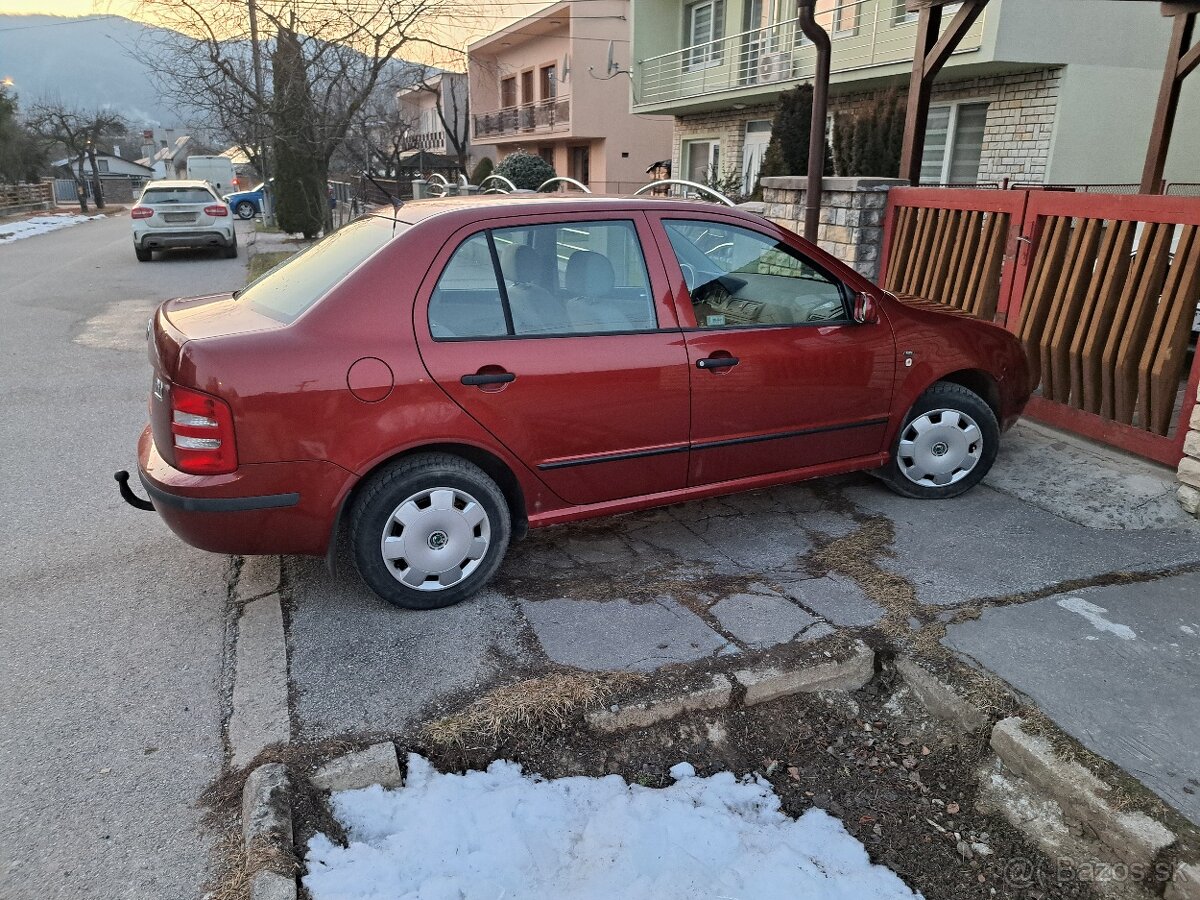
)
(774, 67)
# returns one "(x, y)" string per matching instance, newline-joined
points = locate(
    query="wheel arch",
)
(493, 466)
(978, 382)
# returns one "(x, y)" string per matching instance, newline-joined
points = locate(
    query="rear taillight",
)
(202, 431)
(141, 212)
(217, 210)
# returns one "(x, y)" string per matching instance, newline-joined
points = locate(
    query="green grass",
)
(261, 262)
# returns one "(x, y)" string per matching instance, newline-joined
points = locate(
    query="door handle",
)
(717, 362)
(488, 378)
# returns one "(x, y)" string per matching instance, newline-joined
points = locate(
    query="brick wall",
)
(851, 215)
(1016, 139)
(1189, 467)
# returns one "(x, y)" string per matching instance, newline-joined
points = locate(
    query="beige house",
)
(1039, 91)
(544, 85)
(436, 117)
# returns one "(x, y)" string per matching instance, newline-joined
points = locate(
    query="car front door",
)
(559, 337)
(782, 377)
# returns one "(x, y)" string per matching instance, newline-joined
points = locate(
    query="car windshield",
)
(177, 195)
(287, 290)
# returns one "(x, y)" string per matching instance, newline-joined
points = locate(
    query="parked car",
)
(433, 382)
(171, 214)
(246, 204)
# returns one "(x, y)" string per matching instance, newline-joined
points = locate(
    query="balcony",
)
(544, 116)
(864, 34)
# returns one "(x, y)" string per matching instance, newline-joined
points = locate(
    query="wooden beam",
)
(931, 52)
(1178, 56)
(1180, 7)
(1188, 63)
(966, 16)
(916, 114)
(918, 5)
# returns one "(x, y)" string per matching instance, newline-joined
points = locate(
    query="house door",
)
(758, 136)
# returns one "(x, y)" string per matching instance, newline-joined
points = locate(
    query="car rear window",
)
(287, 290)
(177, 195)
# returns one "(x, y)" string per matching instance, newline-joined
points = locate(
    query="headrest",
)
(589, 274)
(522, 264)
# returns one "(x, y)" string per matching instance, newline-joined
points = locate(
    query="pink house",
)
(544, 85)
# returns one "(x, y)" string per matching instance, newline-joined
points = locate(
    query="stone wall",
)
(1189, 466)
(852, 211)
(1017, 133)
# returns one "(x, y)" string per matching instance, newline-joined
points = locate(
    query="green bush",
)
(869, 143)
(787, 154)
(482, 170)
(525, 170)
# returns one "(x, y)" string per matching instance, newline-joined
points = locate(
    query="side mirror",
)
(866, 309)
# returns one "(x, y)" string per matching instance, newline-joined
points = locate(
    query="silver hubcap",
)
(435, 539)
(939, 447)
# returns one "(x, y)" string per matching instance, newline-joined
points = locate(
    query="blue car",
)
(246, 204)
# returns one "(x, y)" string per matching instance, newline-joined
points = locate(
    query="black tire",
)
(230, 252)
(940, 398)
(371, 522)
(245, 210)
(143, 254)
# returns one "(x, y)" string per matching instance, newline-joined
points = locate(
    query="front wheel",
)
(245, 210)
(947, 445)
(429, 531)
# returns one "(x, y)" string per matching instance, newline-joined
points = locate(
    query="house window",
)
(953, 143)
(845, 17)
(102, 165)
(704, 27)
(508, 93)
(901, 16)
(702, 160)
(527, 87)
(549, 84)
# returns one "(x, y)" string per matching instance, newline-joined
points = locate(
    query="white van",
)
(216, 170)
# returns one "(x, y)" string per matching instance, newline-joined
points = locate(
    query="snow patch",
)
(14, 231)
(1095, 615)
(1187, 629)
(499, 833)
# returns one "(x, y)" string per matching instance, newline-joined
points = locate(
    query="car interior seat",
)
(535, 307)
(592, 304)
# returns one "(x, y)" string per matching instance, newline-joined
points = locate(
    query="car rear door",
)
(782, 377)
(558, 335)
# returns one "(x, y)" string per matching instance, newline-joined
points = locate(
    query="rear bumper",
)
(154, 240)
(275, 508)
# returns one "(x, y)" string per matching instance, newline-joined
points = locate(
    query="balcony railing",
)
(542, 116)
(864, 33)
(426, 140)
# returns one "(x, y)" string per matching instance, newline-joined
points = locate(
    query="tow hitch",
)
(127, 493)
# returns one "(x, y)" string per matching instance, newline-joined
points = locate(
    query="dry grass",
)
(539, 705)
(267, 259)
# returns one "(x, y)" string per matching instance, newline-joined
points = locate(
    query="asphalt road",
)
(111, 630)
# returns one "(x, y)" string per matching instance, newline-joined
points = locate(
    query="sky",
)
(504, 12)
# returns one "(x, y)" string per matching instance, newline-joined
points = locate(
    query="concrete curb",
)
(765, 684)
(260, 688)
(267, 833)
(939, 698)
(376, 764)
(642, 715)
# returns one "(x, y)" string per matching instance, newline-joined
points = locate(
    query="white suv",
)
(181, 214)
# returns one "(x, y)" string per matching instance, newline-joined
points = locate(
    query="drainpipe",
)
(816, 138)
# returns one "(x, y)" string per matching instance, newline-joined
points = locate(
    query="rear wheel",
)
(947, 445)
(143, 254)
(429, 531)
(230, 252)
(244, 210)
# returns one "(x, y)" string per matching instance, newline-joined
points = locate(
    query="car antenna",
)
(396, 204)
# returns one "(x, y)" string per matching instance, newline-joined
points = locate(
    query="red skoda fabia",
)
(433, 382)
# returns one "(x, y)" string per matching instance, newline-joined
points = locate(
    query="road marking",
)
(1094, 614)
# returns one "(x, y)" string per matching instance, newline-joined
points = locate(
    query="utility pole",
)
(256, 57)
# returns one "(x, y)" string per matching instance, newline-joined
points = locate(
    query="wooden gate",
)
(1103, 293)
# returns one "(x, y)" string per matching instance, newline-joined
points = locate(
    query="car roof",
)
(176, 183)
(468, 208)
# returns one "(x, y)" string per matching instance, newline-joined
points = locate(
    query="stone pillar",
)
(852, 212)
(1189, 466)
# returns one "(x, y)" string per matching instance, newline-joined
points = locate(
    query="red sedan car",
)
(434, 382)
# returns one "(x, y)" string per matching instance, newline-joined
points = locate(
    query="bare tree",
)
(346, 49)
(78, 131)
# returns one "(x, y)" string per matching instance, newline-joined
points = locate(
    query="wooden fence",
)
(1101, 289)
(17, 198)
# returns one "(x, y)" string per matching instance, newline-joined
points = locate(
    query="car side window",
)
(737, 278)
(466, 302)
(540, 280)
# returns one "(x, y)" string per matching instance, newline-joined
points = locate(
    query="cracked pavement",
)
(739, 574)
